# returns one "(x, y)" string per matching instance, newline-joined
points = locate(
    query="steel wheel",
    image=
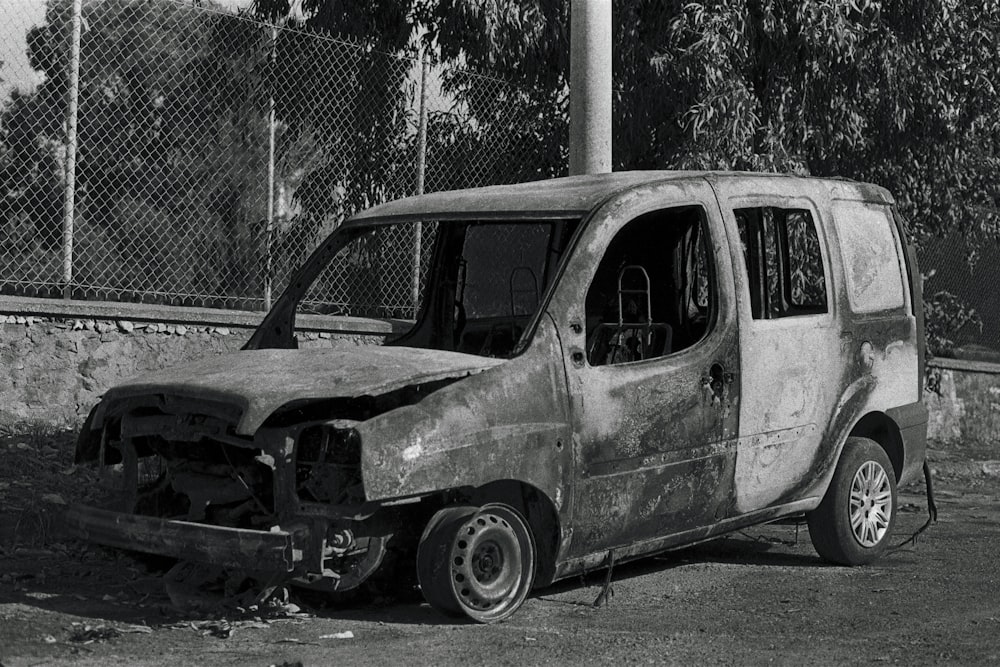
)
(871, 504)
(479, 564)
(854, 521)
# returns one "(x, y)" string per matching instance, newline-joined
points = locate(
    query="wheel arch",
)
(882, 429)
(538, 510)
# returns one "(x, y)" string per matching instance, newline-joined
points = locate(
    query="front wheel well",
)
(540, 513)
(879, 427)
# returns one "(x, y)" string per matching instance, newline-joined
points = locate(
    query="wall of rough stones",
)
(966, 403)
(56, 368)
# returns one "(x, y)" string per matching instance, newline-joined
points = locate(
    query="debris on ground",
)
(88, 634)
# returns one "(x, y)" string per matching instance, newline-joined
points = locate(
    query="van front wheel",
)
(854, 521)
(477, 562)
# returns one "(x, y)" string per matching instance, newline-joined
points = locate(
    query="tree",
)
(898, 92)
(168, 170)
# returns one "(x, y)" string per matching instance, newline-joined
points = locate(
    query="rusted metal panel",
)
(809, 379)
(574, 195)
(261, 381)
(509, 422)
(248, 550)
(793, 375)
(654, 443)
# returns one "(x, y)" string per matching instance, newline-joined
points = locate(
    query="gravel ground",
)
(758, 596)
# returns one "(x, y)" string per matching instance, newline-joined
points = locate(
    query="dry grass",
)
(37, 481)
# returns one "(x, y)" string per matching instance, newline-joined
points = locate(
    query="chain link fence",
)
(962, 297)
(180, 153)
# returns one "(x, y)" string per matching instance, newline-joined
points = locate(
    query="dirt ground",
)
(759, 596)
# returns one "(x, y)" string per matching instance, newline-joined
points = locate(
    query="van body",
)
(592, 369)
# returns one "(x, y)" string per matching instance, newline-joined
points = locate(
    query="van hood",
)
(258, 382)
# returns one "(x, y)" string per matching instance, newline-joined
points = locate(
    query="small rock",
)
(181, 329)
(991, 468)
(104, 327)
(222, 331)
(53, 498)
(126, 326)
(77, 325)
(346, 634)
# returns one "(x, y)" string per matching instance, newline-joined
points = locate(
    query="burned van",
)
(582, 371)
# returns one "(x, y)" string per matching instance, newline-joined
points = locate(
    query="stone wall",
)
(57, 358)
(55, 368)
(966, 403)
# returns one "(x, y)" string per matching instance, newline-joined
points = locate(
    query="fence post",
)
(269, 226)
(421, 168)
(69, 203)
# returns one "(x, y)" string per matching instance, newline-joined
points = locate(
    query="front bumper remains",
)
(234, 548)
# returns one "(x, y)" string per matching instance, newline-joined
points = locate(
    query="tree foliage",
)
(899, 92)
(162, 152)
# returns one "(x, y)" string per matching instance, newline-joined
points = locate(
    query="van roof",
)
(573, 196)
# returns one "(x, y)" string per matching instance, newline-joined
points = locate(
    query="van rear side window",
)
(784, 261)
(871, 254)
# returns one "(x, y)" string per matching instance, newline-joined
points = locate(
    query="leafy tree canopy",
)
(899, 92)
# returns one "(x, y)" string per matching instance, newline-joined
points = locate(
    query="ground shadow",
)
(109, 594)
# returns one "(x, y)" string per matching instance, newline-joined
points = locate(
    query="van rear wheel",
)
(477, 562)
(854, 521)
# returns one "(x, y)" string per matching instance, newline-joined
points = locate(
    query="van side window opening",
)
(653, 292)
(784, 262)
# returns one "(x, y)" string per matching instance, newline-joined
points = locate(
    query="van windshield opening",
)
(469, 286)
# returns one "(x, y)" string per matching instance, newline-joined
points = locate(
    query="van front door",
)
(646, 312)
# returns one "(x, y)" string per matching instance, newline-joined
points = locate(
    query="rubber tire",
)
(432, 558)
(830, 523)
(450, 536)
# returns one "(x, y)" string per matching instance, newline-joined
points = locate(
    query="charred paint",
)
(506, 423)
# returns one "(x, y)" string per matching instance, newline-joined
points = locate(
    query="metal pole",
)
(590, 87)
(269, 227)
(72, 107)
(421, 169)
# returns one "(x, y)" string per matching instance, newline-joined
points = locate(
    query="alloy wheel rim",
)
(871, 504)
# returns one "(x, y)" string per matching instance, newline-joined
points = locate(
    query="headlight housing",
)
(328, 462)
